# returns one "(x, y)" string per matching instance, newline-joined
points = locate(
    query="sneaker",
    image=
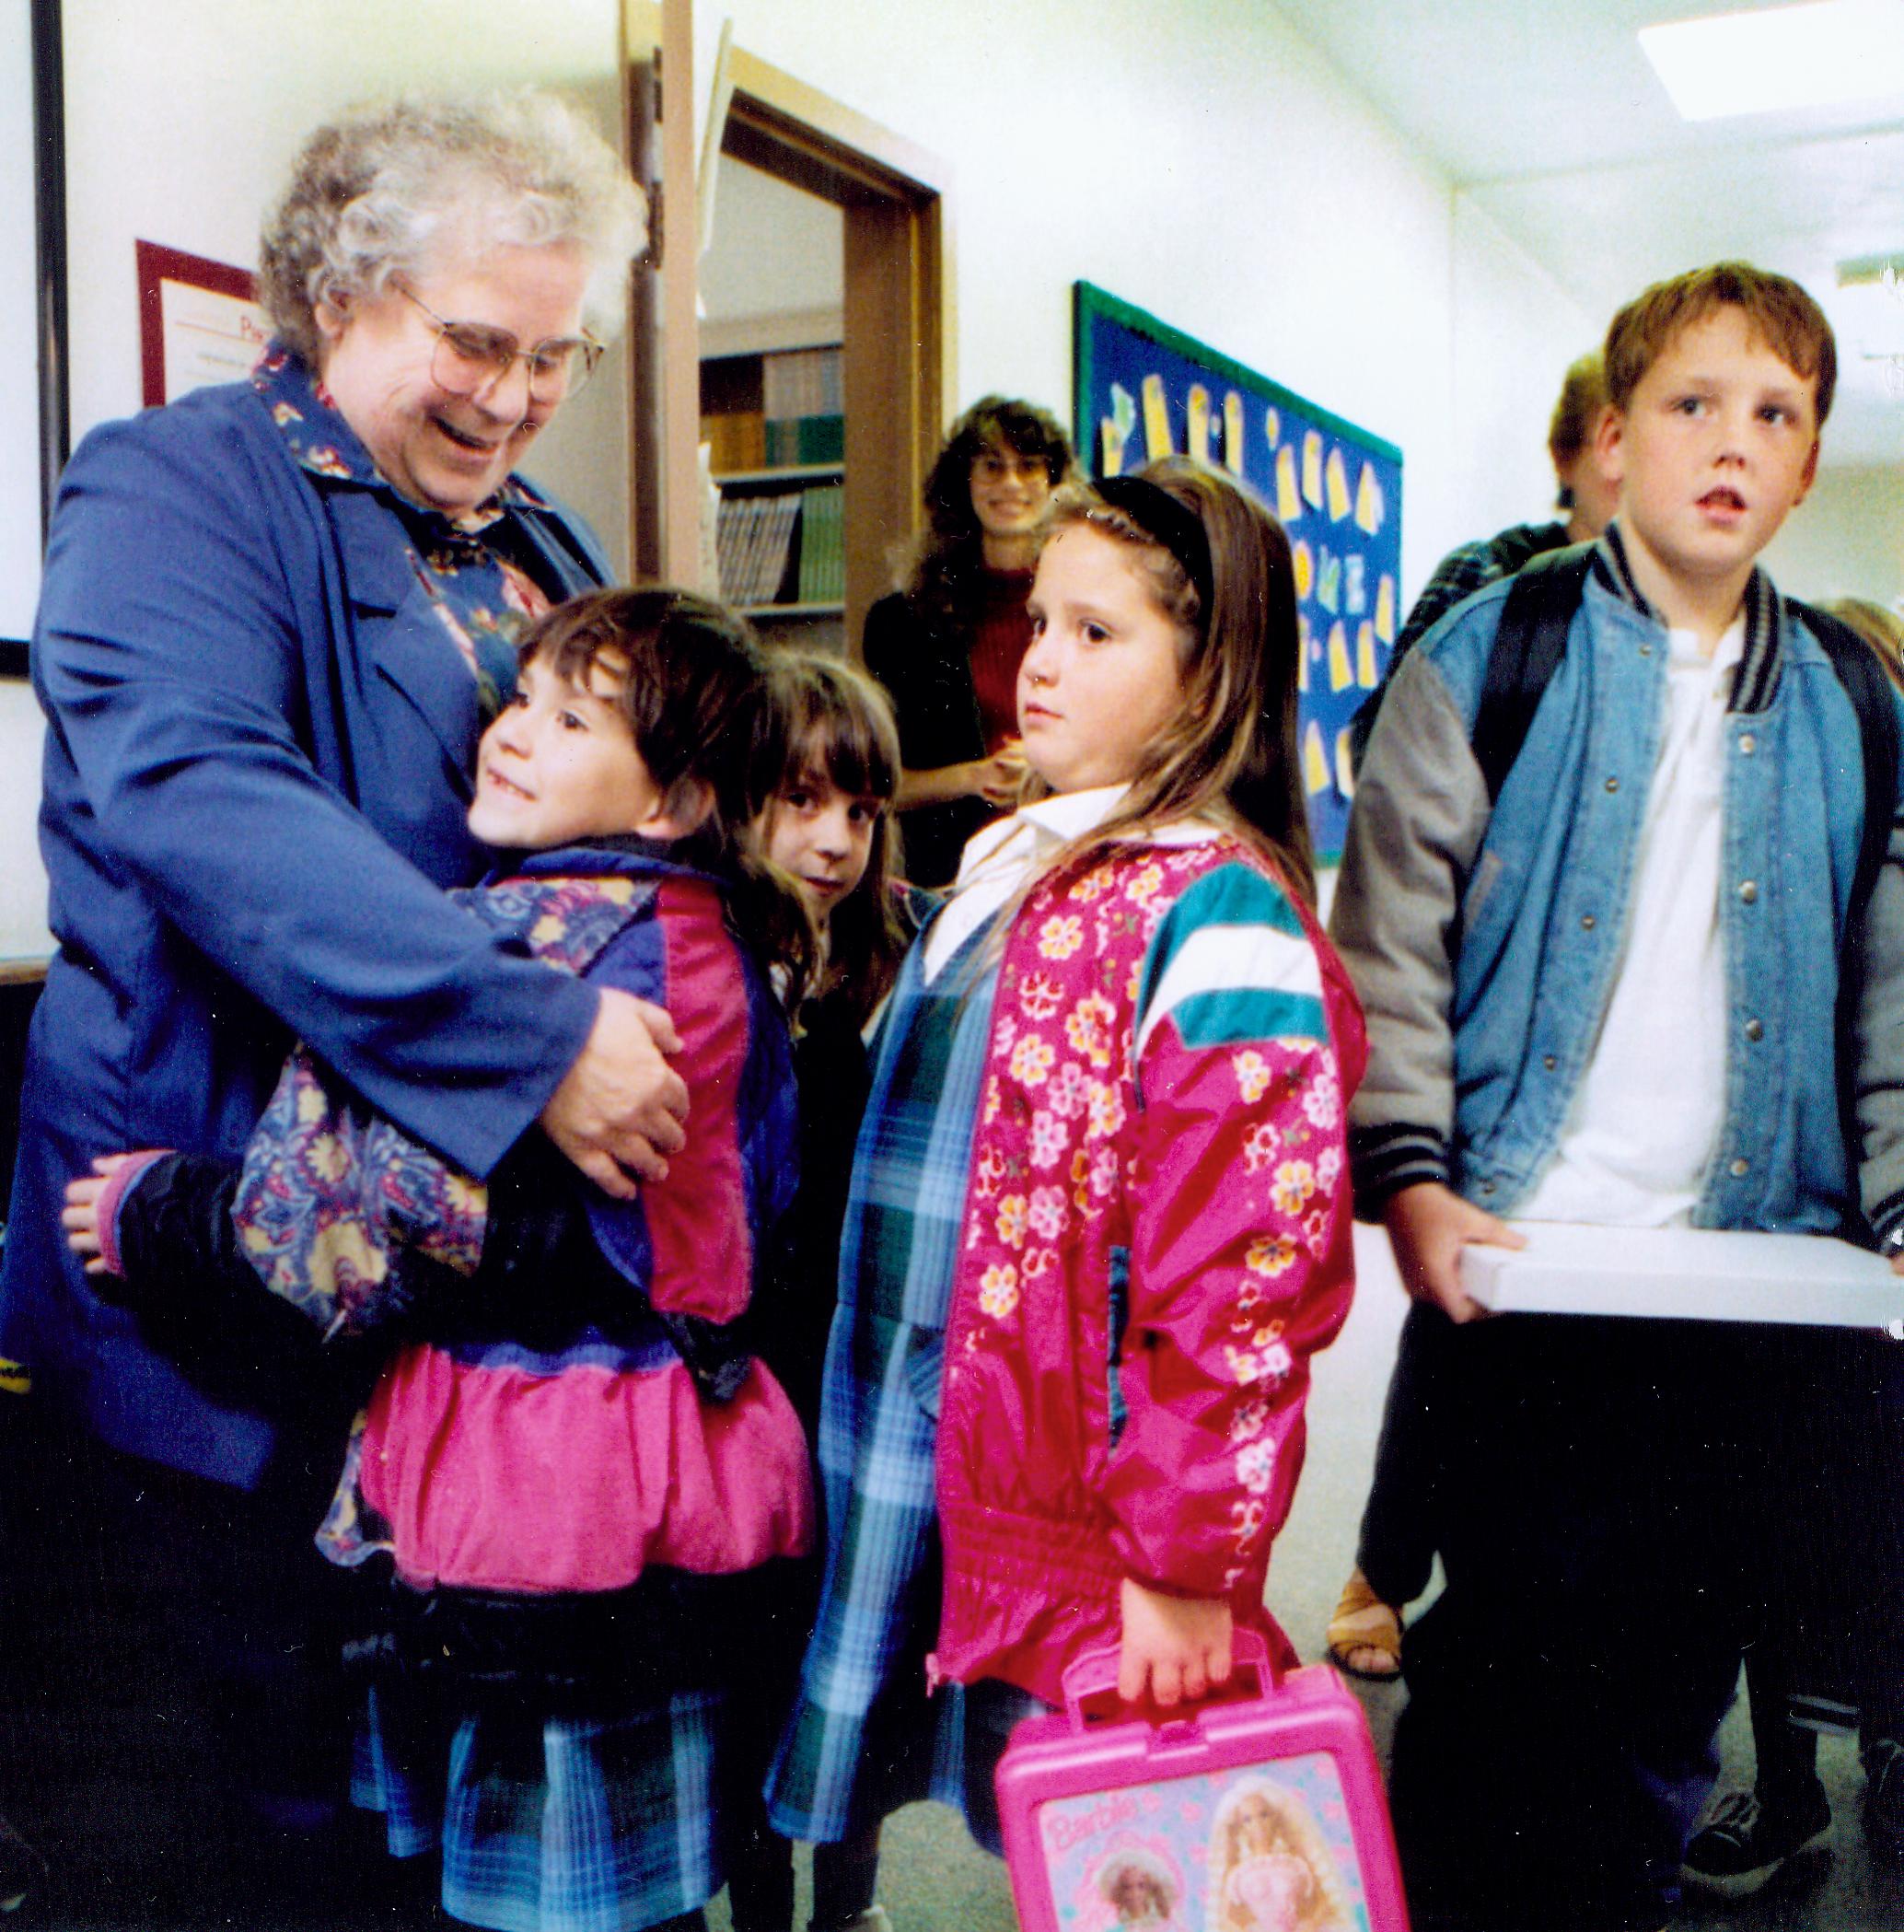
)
(1744, 1845)
(1883, 1795)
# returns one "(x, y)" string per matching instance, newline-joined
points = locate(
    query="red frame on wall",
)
(157, 264)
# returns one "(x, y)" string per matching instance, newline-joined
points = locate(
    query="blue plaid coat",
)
(863, 1738)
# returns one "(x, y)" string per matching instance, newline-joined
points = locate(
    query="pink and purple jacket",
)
(505, 1454)
(1155, 1241)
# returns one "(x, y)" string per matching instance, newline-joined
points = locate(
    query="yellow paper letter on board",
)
(1369, 507)
(1337, 486)
(1315, 759)
(1303, 565)
(1233, 432)
(1366, 655)
(1341, 673)
(1157, 421)
(1312, 469)
(1272, 426)
(1196, 441)
(1305, 647)
(1384, 609)
(1289, 502)
(1344, 764)
(1113, 447)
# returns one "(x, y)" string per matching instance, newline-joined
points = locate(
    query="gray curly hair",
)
(374, 192)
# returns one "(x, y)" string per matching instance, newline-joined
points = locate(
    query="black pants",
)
(1613, 1507)
(1400, 1522)
(173, 1663)
(1833, 1625)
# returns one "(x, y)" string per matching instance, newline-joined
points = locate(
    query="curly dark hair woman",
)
(947, 646)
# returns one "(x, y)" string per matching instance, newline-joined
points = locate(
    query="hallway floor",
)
(113, 1816)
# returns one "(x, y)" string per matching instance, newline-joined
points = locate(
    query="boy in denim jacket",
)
(1611, 997)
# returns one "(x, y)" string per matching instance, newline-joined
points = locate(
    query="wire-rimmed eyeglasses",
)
(470, 356)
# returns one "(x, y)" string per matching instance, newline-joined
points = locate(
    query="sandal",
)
(1363, 1625)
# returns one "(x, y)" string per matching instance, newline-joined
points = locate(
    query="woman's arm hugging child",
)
(581, 1478)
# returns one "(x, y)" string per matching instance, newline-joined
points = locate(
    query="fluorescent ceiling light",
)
(1812, 56)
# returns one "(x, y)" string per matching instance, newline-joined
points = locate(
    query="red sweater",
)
(1000, 638)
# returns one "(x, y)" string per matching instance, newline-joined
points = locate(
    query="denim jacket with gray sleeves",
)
(1485, 944)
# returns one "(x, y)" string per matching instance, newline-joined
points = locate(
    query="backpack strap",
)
(1529, 642)
(1874, 697)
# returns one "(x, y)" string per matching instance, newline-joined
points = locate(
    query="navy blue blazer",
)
(257, 755)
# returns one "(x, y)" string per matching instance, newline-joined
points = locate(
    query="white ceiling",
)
(1551, 120)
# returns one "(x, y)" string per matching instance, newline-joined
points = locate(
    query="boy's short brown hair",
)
(1779, 309)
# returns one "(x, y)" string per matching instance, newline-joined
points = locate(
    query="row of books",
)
(823, 545)
(753, 540)
(801, 382)
(792, 540)
(745, 441)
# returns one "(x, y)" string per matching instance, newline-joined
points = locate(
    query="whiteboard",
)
(20, 335)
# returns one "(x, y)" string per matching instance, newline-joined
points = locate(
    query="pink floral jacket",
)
(1155, 1241)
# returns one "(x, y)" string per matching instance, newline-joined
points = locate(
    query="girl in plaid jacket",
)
(1100, 1213)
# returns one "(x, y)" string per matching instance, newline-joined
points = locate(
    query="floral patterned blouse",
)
(472, 568)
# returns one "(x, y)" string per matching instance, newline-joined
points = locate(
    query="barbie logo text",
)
(1062, 1831)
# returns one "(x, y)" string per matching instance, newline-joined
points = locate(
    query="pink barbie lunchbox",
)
(1257, 1813)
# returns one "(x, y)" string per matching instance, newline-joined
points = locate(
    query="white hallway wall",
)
(1198, 158)
(1846, 539)
(1203, 160)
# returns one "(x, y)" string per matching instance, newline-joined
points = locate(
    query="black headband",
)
(1167, 522)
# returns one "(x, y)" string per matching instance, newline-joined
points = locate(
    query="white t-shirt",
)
(1646, 1115)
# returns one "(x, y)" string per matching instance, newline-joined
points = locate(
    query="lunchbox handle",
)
(1097, 1671)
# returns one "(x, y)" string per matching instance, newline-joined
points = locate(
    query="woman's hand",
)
(1000, 778)
(1177, 1647)
(997, 780)
(621, 1105)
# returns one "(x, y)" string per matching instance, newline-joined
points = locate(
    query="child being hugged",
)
(583, 1480)
(1099, 1218)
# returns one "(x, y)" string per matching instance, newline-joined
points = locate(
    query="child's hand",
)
(1176, 1647)
(1428, 1227)
(80, 1216)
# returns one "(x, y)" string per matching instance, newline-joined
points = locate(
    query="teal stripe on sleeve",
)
(1232, 962)
(1233, 894)
(1233, 1017)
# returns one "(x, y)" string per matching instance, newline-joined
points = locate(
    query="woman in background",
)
(948, 646)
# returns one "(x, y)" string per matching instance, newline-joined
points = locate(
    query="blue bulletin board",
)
(1144, 390)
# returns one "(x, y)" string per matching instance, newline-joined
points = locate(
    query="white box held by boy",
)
(1701, 1274)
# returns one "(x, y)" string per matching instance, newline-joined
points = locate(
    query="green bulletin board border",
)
(1089, 302)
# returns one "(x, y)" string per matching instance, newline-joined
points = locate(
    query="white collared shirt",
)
(1647, 1112)
(999, 859)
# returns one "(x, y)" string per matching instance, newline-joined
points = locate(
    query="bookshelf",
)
(776, 430)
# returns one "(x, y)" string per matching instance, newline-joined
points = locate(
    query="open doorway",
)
(894, 374)
(772, 403)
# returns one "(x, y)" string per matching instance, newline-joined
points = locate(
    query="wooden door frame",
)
(898, 338)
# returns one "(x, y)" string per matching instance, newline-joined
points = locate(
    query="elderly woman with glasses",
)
(275, 620)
